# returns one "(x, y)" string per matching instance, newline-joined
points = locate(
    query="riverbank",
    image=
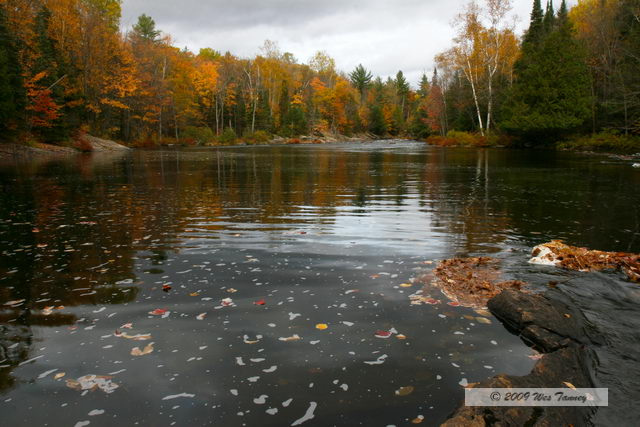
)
(38, 151)
(580, 344)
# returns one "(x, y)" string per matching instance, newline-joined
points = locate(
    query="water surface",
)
(320, 234)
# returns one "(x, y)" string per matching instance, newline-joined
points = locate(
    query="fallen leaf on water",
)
(260, 302)
(406, 285)
(226, 302)
(382, 334)
(430, 301)
(201, 316)
(127, 326)
(194, 294)
(16, 302)
(322, 326)
(59, 375)
(232, 290)
(135, 351)
(568, 316)
(401, 337)
(139, 337)
(374, 276)
(47, 310)
(453, 303)
(404, 391)
(483, 320)
(571, 386)
(418, 419)
(482, 312)
(158, 312)
(166, 287)
(93, 382)
(294, 337)
(537, 356)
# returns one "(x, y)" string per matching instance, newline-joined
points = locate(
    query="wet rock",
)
(543, 323)
(567, 364)
(103, 145)
(551, 326)
(559, 254)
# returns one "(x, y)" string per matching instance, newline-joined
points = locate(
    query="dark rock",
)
(543, 323)
(565, 365)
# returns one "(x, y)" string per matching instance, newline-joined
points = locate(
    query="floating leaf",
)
(93, 382)
(322, 326)
(483, 320)
(260, 302)
(232, 290)
(139, 337)
(453, 303)
(294, 337)
(418, 419)
(482, 312)
(571, 386)
(158, 312)
(127, 326)
(166, 287)
(135, 351)
(201, 316)
(406, 285)
(194, 294)
(59, 375)
(382, 334)
(401, 337)
(226, 302)
(404, 391)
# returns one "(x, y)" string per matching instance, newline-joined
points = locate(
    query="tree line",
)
(67, 68)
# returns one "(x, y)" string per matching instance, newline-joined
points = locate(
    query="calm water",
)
(321, 235)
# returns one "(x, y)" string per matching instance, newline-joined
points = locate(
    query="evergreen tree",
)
(536, 27)
(360, 79)
(12, 94)
(146, 28)
(551, 92)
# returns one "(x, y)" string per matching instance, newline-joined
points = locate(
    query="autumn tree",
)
(12, 96)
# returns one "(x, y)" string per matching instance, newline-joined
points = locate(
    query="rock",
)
(564, 365)
(103, 145)
(543, 323)
(557, 253)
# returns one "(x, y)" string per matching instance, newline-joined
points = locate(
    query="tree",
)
(551, 92)
(360, 79)
(12, 94)
(146, 28)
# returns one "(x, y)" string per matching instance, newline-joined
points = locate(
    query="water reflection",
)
(88, 243)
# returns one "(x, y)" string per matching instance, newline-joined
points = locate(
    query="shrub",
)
(228, 136)
(257, 137)
(607, 140)
(200, 135)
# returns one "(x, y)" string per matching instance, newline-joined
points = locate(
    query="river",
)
(268, 278)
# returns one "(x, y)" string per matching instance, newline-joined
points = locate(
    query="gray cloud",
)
(383, 35)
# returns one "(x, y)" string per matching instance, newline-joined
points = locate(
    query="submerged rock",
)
(471, 282)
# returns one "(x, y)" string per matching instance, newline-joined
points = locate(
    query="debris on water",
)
(127, 326)
(201, 316)
(401, 337)
(379, 361)
(232, 290)
(294, 315)
(47, 373)
(92, 383)
(287, 402)
(471, 282)
(95, 412)
(322, 326)
(484, 320)
(226, 302)
(418, 419)
(175, 396)
(260, 400)
(166, 287)
(59, 375)
(307, 416)
(135, 351)
(138, 337)
(158, 312)
(15, 303)
(382, 334)
(404, 391)
(557, 253)
(294, 337)
(260, 302)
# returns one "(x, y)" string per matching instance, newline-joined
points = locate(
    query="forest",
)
(67, 68)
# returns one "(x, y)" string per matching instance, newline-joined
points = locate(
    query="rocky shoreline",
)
(38, 151)
(563, 335)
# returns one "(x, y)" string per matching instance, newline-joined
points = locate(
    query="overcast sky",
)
(384, 35)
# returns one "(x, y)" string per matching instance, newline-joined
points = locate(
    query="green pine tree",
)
(551, 93)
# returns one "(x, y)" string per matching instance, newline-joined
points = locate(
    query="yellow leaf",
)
(322, 326)
(404, 391)
(569, 385)
(59, 375)
(137, 352)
